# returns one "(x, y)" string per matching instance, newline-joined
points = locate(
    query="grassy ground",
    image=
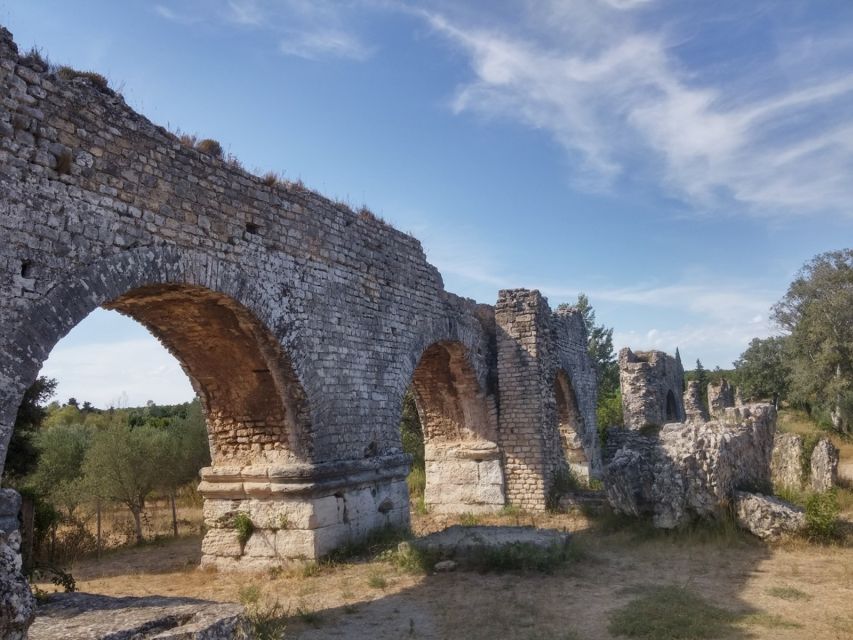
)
(623, 579)
(621, 582)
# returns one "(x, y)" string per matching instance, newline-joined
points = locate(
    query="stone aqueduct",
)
(300, 323)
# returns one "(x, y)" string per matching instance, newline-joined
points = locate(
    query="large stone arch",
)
(450, 369)
(459, 421)
(209, 318)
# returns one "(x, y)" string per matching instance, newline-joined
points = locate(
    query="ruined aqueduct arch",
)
(323, 318)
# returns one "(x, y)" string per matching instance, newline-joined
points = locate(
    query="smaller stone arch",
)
(571, 427)
(459, 422)
(672, 413)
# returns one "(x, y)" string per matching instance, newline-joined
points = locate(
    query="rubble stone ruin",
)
(300, 323)
(652, 388)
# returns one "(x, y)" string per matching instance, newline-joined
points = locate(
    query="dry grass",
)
(795, 590)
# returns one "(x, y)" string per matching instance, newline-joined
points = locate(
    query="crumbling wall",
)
(819, 472)
(694, 408)
(533, 345)
(690, 470)
(721, 396)
(652, 386)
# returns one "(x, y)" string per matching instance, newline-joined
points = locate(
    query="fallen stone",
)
(444, 566)
(767, 517)
(465, 544)
(85, 616)
(824, 466)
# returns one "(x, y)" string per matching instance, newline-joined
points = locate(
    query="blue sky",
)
(677, 161)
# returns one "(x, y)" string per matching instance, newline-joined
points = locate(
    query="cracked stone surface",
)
(85, 616)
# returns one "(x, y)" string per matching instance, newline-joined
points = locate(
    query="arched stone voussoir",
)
(151, 284)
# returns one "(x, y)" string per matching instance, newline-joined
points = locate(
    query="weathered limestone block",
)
(86, 616)
(824, 466)
(721, 395)
(691, 469)
(17, 604)
(786, 466)
(767, 517)
(301, 517)
(693, 406)
(463, 477)
(652, 384)
(628, 482)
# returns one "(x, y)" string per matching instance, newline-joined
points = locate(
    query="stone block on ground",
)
(463, 544)
(85, 616)
(767, 517)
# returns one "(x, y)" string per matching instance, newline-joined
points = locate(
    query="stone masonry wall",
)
(299, 322)
(652, 386)
(533, 344)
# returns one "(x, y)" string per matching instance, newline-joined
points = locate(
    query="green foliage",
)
(810, 442)
(244, 526)
(600, 347)
(788, 593)
(411, 431)
(700, 374)
(469, 520)
(817, 311)
(262, 622)
(518, 556)
(563, 482)
(376, 543)
(822, 511)
(21, 455)
(762, 370)
(609, 411)
(59, 472)
(126, 465)
(671, 613)
(376, 580)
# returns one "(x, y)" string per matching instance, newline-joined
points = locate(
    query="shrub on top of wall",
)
(210, 147)
(95, 79)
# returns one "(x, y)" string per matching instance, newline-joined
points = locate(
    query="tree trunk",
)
(137, 520)
(174, 514)
(98, 512)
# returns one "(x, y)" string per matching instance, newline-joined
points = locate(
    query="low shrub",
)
(822, 511)
(244, 527)
(95, 79)
(211, 147)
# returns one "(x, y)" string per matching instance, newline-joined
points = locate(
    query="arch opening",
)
(255, 407)
(571, 427)
(462, 462)
(671, 407)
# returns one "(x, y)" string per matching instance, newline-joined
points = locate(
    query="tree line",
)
(73, 460)
(810, 364)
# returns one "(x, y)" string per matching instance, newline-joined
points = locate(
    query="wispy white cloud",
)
(324, 43)
(310, 29)
(617, 96)
(124, 371)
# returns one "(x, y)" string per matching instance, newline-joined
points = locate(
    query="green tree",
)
(603, 355)
(186, 451)
(22, 455)
(817, 312)
(58, 476)
(600, 348)
(126, 465)
(701, 376)
(762, 370)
